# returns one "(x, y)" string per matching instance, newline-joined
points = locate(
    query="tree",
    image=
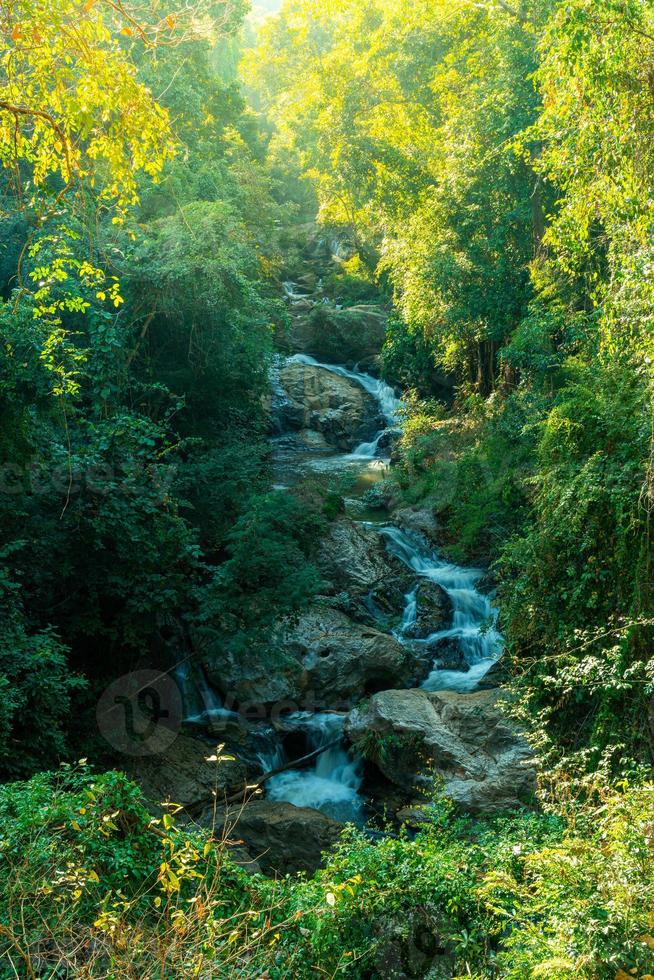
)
(404, 116)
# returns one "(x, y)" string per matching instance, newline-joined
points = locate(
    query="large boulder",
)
(344, 660)
(417, 738)
(345, 336)
(328, 661)
(447, 654)
(353, 559)
(281, 838)
(421, 520)
(183, 774)
(315, 399)
(434, 610)
(249, 684)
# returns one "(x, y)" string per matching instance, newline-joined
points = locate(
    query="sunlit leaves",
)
(71, 106)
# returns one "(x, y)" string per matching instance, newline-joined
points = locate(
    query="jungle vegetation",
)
(494, 164)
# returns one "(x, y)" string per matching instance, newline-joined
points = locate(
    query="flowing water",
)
(202, 706)
(474, 624)
(333, 783)
(385, 396)
(365, 461)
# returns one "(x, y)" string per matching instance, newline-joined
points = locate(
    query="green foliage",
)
(408, 359)
(403, 116)
(36, 688)
(352, 283)
(579, 574)
(498, 158)
(582, 906)
(134, 370)
(88, 876)
(91, 882)
(494, 163)
(268, 575)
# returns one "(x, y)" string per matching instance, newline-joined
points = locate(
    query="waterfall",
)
(368, 450)
(410, 613)
(474, 621)
(271, 756)
(201, 704)
(332, 785)
(386, 398)
(295, 292)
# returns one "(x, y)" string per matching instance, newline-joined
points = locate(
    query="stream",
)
(334, 783)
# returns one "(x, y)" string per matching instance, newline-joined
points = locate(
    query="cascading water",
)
(388, 401)
(200, 702)
(386, 398)
(333, 784)
(295, 292)
(474, 620)
(272, 756)
(410, 613)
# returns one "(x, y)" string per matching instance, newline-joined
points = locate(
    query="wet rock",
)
(389, 439)
(308, 281)
(242, 857)
(319, 401)
(354, 560)
(253, 686)
(344, 660)
(487, 584)
(416, 815)
(421, 520)
(182, 774)
(315, 441)
(447, 654)
(414, 737)
(433, 611)
(281, 838)
(496, 676)
(326, 659)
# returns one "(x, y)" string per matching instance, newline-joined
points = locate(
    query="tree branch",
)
(27, 111)
(247, 791)
(518, 14)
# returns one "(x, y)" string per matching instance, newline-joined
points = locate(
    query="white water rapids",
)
(333, 783)
(201, 704)
(474, 620)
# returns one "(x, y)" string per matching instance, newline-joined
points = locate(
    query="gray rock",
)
(434, 610)
(417, 737)
(354, 560)
(319, 401)
(246, 681)
(182, 774)
(329, 660)
(447, 654)
(281, 838)
(349, 336)
(343, 660)
(419, 519)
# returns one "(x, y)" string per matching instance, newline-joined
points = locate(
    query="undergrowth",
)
(92, 885)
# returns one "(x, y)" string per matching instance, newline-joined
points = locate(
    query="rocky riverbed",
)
(386, 680)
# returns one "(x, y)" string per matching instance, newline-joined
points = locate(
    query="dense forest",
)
(326, 485)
